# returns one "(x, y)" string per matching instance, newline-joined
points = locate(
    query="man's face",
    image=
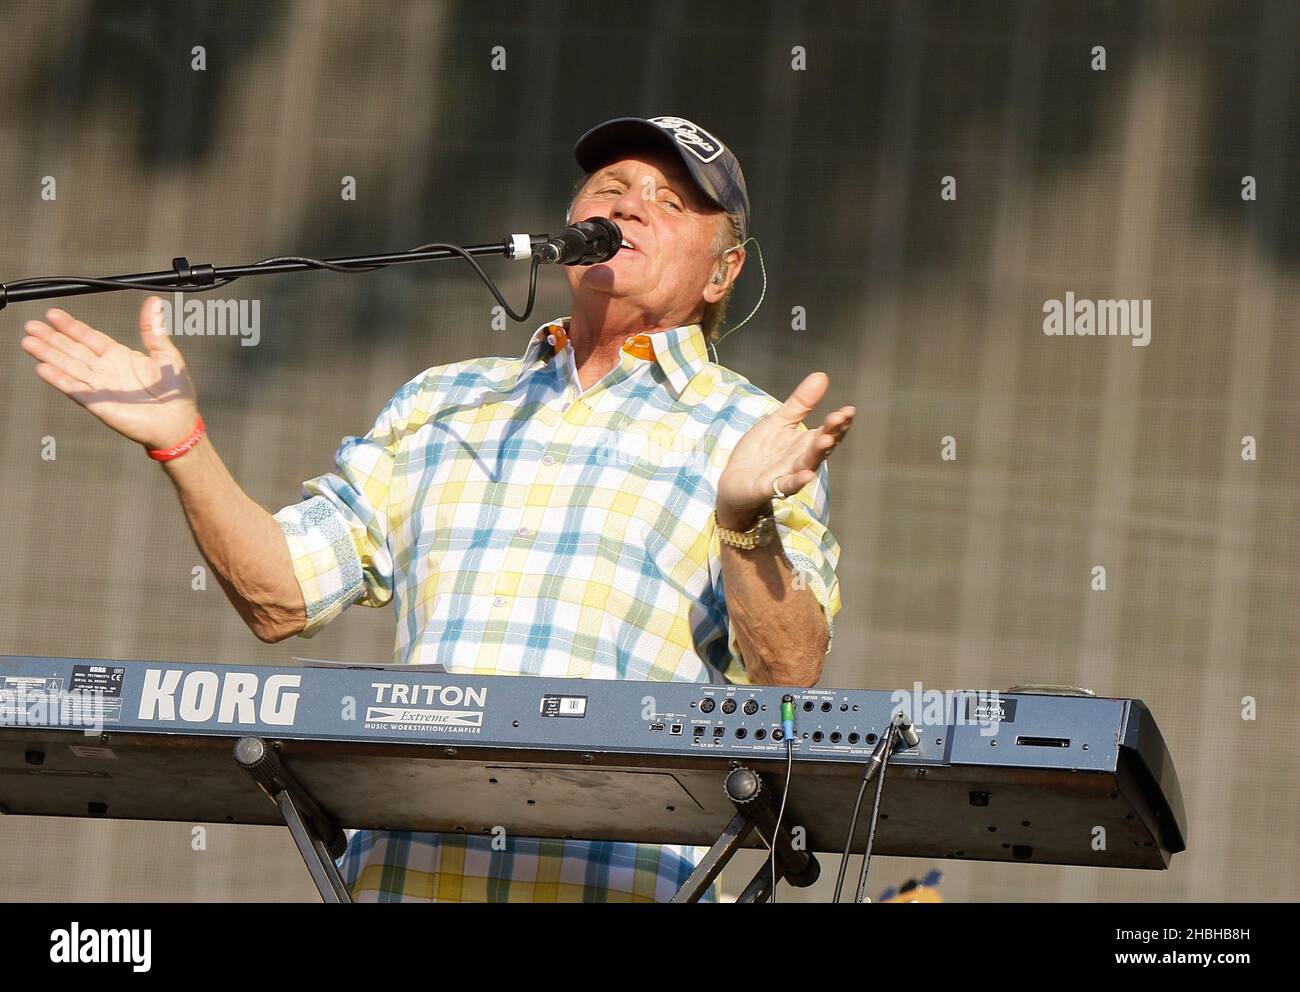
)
(672, 228)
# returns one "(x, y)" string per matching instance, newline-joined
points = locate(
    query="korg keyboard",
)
(1029, 777)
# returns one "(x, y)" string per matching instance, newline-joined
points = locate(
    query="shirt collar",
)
(680, 352)
(538, 347)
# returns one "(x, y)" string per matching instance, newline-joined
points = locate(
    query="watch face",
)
(766, 529)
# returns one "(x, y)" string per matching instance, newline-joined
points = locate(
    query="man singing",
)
(609, 505)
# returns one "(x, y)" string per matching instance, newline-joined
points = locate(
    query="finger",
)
(805, 397)
(63, 382)
(153, 330)
(59, 340)
(792, 482)
(835, 422)
(48, 355)
(816, 448)
(96, 341)
(819, 448)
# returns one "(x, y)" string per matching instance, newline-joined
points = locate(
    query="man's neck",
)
(598, 330)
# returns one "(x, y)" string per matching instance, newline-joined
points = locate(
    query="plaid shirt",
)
(525, 526)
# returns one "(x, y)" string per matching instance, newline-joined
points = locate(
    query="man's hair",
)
(729, 237)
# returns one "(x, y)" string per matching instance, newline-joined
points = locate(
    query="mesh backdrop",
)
(924, 178)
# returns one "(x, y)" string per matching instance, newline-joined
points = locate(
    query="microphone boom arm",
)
(186, 277)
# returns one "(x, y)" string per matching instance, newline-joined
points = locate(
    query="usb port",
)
(675, 730)
(656, 727)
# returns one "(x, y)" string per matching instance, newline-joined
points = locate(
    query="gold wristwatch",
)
(760, 534)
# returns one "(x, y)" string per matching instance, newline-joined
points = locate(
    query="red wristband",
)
(167, 454)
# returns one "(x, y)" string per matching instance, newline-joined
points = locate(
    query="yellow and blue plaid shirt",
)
(525, 526)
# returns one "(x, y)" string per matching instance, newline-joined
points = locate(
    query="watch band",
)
(757, 536)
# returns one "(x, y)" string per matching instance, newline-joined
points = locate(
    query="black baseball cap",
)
(710, 162)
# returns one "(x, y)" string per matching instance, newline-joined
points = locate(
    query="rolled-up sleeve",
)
(811, 550)
(338, 535)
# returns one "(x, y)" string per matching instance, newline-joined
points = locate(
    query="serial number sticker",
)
(570, 706)
(102, 753)
(105, 679)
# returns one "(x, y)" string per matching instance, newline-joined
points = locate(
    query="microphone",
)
(584, 243)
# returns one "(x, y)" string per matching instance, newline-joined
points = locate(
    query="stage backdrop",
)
(925, 179)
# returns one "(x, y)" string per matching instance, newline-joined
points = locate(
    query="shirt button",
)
(548, 460)
(525, 532)
(565, 407)
(499, 601)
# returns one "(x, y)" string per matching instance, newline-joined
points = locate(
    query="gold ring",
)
(776, 490)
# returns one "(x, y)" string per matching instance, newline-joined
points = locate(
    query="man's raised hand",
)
(144, 396)
(776, 447)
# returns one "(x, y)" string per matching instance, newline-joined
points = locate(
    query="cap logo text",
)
(693, 138)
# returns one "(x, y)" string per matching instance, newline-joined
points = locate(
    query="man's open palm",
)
(144, 396)
(775, 446)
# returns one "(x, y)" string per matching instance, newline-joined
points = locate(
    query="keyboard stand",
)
(319, 839)
(756, 809)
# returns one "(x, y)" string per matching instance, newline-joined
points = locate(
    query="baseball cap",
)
(710, 163)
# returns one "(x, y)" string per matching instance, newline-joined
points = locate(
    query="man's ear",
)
(724, 274)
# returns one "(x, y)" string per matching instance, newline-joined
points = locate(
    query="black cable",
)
(776, 831)
(892, 733)
(120, 284)
(315, 263)
(882, 753)
(848, 841)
